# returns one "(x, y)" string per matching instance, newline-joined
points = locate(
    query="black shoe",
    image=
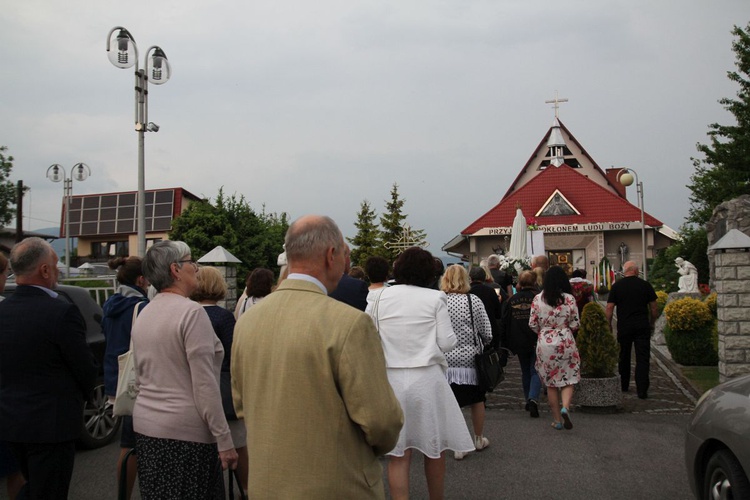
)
(642, 395)
(625, 389)
(533, 409)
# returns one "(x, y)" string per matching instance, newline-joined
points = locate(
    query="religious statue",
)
(688, 282)
(623, 251)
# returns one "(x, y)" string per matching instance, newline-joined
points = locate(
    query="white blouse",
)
(414, 325)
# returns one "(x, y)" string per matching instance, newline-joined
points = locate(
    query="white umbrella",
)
(518, 237)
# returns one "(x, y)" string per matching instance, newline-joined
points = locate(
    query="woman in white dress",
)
(416, 331)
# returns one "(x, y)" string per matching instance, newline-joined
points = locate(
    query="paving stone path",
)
(669, 392)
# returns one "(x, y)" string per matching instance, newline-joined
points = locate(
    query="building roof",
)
(584, 201)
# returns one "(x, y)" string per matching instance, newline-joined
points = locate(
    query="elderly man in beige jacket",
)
(309, 378)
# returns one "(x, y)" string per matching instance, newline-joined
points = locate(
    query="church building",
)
(582, 210)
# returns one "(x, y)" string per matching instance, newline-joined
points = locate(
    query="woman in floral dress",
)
(554, 317)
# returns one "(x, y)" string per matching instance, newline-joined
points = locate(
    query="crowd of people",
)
(290, 374)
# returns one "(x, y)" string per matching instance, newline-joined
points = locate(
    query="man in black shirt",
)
(635, 300)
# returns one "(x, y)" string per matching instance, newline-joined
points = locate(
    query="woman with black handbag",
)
(211, 289)
(473, 331)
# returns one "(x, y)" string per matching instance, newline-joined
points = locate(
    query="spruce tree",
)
(367, 240)
(392, 224)
(724, 172)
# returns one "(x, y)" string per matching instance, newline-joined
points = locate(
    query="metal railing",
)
(100, 293)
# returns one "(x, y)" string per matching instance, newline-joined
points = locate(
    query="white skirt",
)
(433, 422)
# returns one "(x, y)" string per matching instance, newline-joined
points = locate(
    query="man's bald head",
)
(315, 246)
(630, 268)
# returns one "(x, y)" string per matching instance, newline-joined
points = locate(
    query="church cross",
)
(556, 101)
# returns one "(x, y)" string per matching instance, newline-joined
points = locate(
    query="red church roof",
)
(594, 203)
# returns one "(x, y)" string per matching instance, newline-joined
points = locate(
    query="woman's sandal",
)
(557, 426)
(566, 418)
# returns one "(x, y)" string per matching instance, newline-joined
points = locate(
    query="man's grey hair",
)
(27, 255)
(493, 261)
(157, 264)
(311, 237)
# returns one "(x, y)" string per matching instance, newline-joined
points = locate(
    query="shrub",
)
(661, 301)
(687, 314)
(689, 332)
(710, 301)
(597, 346)
(693, 348)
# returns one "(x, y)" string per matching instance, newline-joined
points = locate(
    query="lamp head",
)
(625, 178)
(152, 127)
(158, 71)
(125, 53)
(80, 172)
(56, 173)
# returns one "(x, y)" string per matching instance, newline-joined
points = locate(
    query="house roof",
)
(592, 202)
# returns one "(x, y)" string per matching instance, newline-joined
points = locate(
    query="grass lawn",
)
(702, 377)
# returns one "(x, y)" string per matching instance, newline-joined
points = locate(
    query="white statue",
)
(688, 282)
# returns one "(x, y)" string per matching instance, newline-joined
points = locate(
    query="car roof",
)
(90, 310)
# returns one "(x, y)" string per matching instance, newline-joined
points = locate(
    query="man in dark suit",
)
(491, 301)
(350, 290)
(46, 372)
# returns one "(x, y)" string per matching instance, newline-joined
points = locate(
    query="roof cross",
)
(556, 101)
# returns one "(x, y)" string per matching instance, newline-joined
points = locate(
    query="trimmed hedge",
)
(693, 348)
(689, 332)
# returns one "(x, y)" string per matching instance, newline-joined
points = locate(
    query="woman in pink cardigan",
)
(182, 437)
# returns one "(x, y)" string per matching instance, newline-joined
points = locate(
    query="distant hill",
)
(58, 244)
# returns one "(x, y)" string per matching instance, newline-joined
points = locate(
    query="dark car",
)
(717, 444)
(98, 427)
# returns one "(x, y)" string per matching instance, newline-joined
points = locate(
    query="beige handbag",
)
(126, 389)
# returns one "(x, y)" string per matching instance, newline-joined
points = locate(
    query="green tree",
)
(255, 238)
(392, 223)
(367, 240)
(7, 189)
(724, 172)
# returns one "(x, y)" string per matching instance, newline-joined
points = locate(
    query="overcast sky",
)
(315, 106)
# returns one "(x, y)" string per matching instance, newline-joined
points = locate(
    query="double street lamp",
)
(124, 55)
(626, 177)
(56, 173)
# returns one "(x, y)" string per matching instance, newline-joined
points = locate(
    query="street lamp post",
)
(56, 173)
(625, 177)
(158, 72)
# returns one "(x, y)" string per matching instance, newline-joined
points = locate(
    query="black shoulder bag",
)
(489, 369)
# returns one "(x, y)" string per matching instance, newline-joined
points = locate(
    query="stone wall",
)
(732, 281)
(730, 277)
(230, 276)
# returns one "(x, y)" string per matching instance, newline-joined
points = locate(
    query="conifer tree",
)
(724, 172)
(392, 226)
(367, 240)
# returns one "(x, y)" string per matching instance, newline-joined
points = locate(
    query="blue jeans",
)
(529, 376)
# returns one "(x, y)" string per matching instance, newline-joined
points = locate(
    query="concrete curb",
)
(663, 358)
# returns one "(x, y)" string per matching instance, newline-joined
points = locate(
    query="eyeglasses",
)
(184, 261)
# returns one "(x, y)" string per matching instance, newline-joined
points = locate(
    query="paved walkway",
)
(669, 393)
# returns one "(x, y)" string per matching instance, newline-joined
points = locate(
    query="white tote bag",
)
(126, 389)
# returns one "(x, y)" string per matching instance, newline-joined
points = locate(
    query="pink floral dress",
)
(557, 359)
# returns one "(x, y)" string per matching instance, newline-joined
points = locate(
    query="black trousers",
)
(47, 468)
(641, 339)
